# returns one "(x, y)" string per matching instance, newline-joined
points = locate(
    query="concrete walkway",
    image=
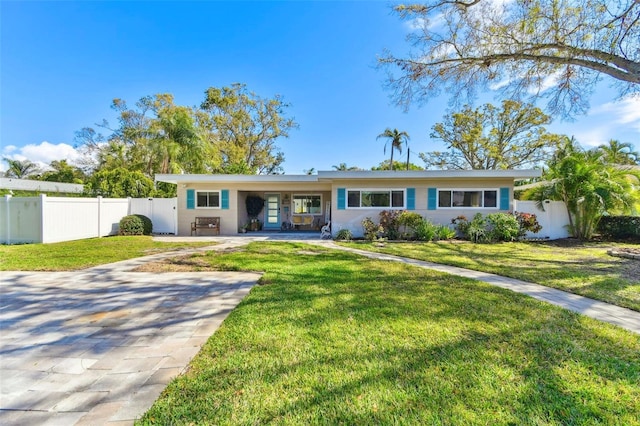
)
(98, 346)
(622, 317)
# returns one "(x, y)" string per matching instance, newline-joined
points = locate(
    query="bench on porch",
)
(301, 220)
(211, 223)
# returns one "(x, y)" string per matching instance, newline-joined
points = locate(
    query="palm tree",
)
(396, 138)
(616, 152)
(20, 169)
(342, 167)
(588, 185)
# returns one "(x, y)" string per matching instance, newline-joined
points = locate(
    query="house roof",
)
(354, 175)
(40, 185)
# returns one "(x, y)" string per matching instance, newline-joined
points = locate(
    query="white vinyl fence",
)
(554, 219)
(53, 219)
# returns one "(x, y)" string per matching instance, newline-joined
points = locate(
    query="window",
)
(449, 198)
(307, 204)
(208, 199)
(375, 198)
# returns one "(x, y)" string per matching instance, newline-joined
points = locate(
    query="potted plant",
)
(254, 204)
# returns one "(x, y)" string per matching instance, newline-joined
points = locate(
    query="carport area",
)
(98, 346)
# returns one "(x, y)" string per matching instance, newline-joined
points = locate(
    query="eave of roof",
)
(355, 175)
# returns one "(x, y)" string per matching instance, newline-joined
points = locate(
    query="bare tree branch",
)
(519, 47)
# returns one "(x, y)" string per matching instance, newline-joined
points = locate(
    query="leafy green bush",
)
(474, 230)
(390, 223)
(425, 231)
(344, 235)
(528, 223)
(132, 225)
(371, 229)
(410, 221)
(620, 227)
(146, 223)
(502, 227)
(445, 233)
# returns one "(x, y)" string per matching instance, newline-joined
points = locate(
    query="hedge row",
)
(620, 227)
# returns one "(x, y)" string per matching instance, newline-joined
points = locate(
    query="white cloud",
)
(625, 111)
(618, 120)
(41, 154)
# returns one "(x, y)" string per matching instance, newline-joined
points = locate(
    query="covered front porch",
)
(303, 210)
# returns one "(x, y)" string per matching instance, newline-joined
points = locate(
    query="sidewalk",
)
(98, 346)
(622, 317)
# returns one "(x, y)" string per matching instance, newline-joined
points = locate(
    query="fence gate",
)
(161, 211)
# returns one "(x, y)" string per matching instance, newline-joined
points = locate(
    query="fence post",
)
(99, 201)
(7, 199)
(43, 216)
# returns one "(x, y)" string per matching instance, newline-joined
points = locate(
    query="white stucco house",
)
(306, 202)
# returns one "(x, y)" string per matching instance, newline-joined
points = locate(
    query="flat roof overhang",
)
(324, 176)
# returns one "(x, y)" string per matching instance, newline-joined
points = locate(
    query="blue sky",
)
(63, 62)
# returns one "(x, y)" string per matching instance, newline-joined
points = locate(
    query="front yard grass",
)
(71, 255)
(582, 268)
(334, 338)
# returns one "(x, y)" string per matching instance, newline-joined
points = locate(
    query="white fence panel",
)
(66, 219)
(554, 219)
(20, 220)
(111, 211)
(161, 211)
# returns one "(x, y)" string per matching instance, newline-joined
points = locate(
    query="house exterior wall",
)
(351, 218)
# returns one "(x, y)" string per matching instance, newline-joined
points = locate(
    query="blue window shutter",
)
(224, 199)
(191, 199)
(504, 198)
(342, 198)
(411, 198)
(432, 198)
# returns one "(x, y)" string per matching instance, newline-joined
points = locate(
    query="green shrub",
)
(620, 227)
(410, 221)
(371, 229)
(390, 223)
(425, 231)
(528, 223)
(502, 227)
(445, 233)
(131, 225)
(344, 235)
(146, 224)
(474, 230)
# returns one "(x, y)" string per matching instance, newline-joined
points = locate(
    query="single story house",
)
(307, 202)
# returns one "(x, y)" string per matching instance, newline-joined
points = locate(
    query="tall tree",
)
(588, 185)
(489, 137)
(396, 138)
(616, 152)
(64, 172)
(558, 49)
(119, 183)
(20, 169)
(398, 165)
(342, 167)
(247, 128)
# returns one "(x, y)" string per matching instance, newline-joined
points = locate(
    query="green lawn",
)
(81, 254)
(333, 338)
(584, 269)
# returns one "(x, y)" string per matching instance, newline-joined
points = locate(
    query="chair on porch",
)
(325, 231)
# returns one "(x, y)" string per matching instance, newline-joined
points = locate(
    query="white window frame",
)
(482, 190)
(208, 191)
(293, 196)
(390, 190)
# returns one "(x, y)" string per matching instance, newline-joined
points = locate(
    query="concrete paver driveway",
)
(98, 346)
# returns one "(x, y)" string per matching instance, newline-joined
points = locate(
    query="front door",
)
(272, 212)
